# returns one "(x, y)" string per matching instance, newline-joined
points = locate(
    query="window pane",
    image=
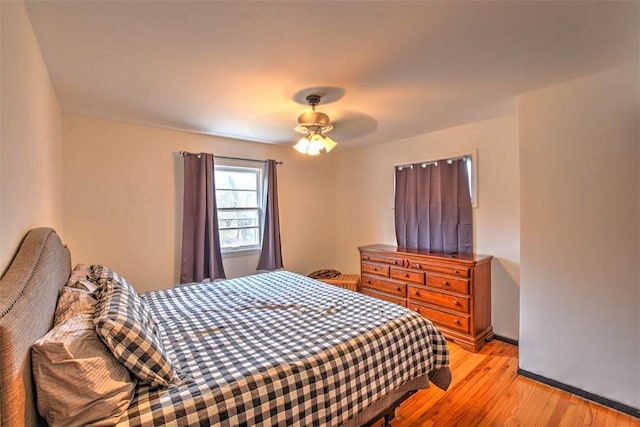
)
(470, 177)
(239, 237)
(236, 199)
(237, 180)
(240, 218)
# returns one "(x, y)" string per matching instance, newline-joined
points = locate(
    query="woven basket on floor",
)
(346, 281)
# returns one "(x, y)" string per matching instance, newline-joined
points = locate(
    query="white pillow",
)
(78, 279)
(78, 381)
(73, 302)
(79, 273)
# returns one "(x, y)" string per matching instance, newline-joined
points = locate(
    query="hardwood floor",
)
(486, 391)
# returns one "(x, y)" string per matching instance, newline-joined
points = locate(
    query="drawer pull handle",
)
(418, 266)
(368, 282)
(457, 271)
(457, 322)
(456, 303)
(398, 288)
(445, 283)
(395, 262)
(417, 293)
(406, 275)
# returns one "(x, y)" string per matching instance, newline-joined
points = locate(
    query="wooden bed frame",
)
(28, 295)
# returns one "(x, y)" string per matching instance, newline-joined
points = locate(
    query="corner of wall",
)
(30, 134)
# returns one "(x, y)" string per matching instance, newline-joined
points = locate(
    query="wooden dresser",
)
(453, 291)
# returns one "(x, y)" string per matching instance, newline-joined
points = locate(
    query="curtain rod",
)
(433, 162)
(182, 153)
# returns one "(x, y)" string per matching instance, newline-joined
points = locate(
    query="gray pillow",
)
(78, 381)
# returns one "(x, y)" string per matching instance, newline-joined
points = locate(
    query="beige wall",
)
(580, 293)
(578, 173)
(30, 136)
(123, 199)
(364, 201)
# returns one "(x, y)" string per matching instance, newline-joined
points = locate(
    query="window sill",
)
(233, 253)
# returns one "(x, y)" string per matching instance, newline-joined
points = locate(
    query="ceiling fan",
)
(313, 125)
(344, 126)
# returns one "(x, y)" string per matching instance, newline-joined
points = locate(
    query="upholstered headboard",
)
(28, 295)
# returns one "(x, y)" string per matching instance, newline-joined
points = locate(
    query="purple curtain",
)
(271, 255)
(201, 256)
(433, 207)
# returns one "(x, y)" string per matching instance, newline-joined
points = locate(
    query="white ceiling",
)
(403, 68)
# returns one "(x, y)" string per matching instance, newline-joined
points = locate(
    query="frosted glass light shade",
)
(302, 146)
(314, 144)
(329, 144)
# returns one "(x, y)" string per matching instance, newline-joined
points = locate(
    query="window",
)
(239, 201)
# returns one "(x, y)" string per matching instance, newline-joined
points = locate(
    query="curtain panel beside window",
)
(201, 255)
(433, 207)
(271, 254)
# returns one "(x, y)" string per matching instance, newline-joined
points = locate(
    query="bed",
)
(270, 349)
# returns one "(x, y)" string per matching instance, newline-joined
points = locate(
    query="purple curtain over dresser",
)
(201, 255)
(271, 255)
(433, 207)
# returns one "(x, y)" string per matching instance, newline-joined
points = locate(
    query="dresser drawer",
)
(383, 259)
(385, 297)
(454, 271)
(454, 302)
(450, 284)
(373, 283)
(407, 276)
(452, 290)
(459, 322)
(378, 269)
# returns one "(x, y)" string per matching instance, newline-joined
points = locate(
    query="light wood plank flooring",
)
(486, 391)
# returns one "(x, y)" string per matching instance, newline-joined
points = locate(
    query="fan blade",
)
(350, 125)
(276, 127)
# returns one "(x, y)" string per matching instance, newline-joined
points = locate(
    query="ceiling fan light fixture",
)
(313, 124)
(329, 144)
(316, 143)
(302, 146)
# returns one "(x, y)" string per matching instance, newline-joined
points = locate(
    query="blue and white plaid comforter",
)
(281, 349)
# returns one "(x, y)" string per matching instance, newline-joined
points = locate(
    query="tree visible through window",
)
(239, 200)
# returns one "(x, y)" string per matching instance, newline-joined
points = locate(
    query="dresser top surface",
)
(422, 252)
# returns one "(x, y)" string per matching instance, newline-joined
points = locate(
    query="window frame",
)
(243, 166)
